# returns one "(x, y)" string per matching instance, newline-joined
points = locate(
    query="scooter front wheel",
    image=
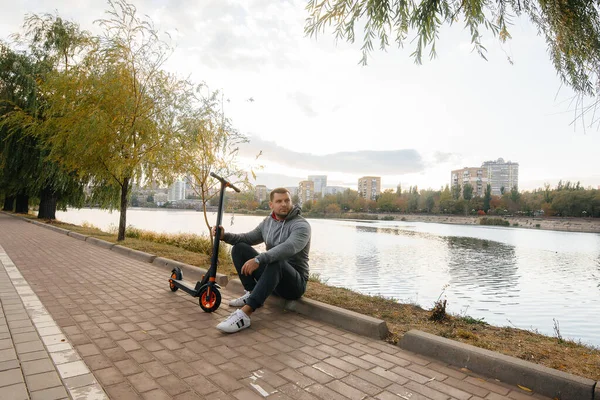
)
(210, 298)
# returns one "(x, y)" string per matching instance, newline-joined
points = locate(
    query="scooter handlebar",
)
(224, 181)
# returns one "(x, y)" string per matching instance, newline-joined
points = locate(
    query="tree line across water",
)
(566, 200)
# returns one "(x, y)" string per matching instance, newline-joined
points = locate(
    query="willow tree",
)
(114, 115)
(210, 144)
(48, 43)
(571, 28)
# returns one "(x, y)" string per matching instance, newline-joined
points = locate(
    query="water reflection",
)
(485, 264)
(367, 261)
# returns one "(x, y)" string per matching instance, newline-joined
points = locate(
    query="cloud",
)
(237, 35)
(442, 157)
(272, 181)
(303, 101)
(364, 162)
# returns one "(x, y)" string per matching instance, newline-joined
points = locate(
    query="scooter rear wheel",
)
(175, 274)
(210, 301)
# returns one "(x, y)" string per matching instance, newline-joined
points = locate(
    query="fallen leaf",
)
(525, 388)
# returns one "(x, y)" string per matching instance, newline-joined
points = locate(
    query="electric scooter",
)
(206, 289)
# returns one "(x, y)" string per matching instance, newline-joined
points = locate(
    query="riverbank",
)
(589, 225)
(553, 352)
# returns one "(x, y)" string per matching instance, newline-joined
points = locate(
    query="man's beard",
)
(282, 216)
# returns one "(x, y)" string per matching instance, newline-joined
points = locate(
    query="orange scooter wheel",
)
(210, 299)
(171, 284)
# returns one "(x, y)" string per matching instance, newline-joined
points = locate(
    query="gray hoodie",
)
(287, 240)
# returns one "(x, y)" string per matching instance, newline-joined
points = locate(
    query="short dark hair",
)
(280, 190)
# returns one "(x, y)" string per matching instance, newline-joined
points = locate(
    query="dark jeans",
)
(278, 277)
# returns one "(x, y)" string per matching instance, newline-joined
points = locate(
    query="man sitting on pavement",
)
(282, 269)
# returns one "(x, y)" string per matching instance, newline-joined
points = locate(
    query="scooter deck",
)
(186, 287)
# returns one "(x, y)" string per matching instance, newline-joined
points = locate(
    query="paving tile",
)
(37, 366)
(80, 381)
(14, 392)
(10, 364)
(42, 381)
(74, 368)
(122, 391)
(172, 385)
(142, 382)
(296, 377)
(24, 337)
(89, 392)
(50, 394)
(11, 377)
(246, 394)
(225, 382)
(29, 347)
(324, 392)
(201, 385)
(109, 376)
(88, 350)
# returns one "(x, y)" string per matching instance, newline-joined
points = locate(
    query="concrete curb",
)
(136, 254)
(76, 235)
(342, 318)
(540, 379)
(190, 272)
(100, 242)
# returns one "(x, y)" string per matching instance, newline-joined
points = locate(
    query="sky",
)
(312, 109)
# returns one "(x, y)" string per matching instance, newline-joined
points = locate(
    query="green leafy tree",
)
(514, 194)
(487, 198)
(571, 29)
(467, 192)
(386, 202)
(429, 203)
(456, 192)
(116, 114)
(49, 44)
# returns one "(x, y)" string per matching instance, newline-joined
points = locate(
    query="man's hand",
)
(213, 231)
(249, 267)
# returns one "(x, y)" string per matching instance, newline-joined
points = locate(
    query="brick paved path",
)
(140, 340)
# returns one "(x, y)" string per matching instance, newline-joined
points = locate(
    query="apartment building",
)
(306, 191)
(177, 191)
(502, 174)
(369, 187)
(320, 183)
(476, 176)
(261, 193)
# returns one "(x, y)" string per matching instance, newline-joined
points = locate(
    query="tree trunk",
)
(48, 202)
(123, 217)
(9, 203)
(22, 206)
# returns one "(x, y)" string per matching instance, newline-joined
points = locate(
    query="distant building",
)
(476, 176)
(502, 174)
(261, 193)
(177, 191)
(320, 183)
(369, 187)
(160, 198)
(293, 190)
(306, 191)
(335, 189)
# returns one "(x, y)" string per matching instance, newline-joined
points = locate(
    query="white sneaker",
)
(237, 321)
(240, 301)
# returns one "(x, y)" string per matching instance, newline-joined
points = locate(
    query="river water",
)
(508, 276)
